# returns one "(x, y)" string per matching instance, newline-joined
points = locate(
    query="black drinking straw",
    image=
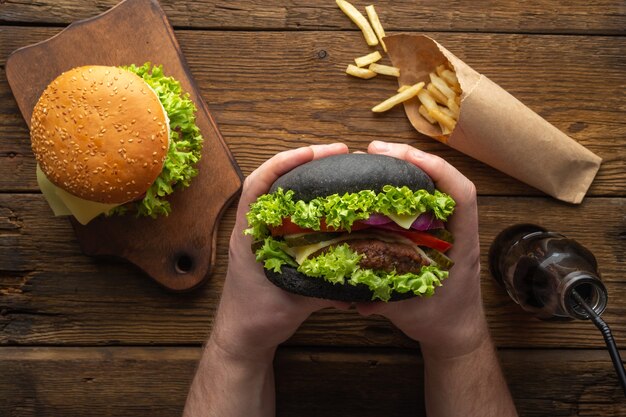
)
(608, 338)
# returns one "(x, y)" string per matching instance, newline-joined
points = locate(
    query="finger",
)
(445, 176)
(263, 177)
(367, 309)
(312, 304)
(260, 181)
(341, 305)
(322, 151)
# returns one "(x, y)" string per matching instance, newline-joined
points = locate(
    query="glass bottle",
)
(539, 269)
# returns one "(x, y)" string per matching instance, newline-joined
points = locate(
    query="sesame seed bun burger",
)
(353, 227)
(111, 140)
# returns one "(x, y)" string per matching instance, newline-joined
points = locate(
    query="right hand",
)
(452, 321)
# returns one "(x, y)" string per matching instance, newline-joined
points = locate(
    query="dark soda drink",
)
(539, 269)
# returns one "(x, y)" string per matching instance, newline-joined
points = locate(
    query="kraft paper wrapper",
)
(494, 127)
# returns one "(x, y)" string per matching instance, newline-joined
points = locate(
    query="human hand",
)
(254, 315)
(451, 322)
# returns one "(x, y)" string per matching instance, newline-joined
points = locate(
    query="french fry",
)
(364, 61)
(454, 108)
(360, 72)
(384, 70)
(399, 98)
(449, 77)
(427, 100)
(376, 25)
(437, 95)
(359, 20)
(440, 99)
(447, 112)
(422, 110)
(442, 86)
(440, 69)
(442, 118)
(441, 115)
(444, 130)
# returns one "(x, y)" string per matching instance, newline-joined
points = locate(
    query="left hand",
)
(254, 316)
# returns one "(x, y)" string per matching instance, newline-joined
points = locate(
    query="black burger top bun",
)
(100, 133)
(349, 173)
(345, 173)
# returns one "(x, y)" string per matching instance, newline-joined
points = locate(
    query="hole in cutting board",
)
(183, 264)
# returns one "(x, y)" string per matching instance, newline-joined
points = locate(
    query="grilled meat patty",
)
(384, 256)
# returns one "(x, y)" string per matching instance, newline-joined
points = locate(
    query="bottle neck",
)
(589, 287)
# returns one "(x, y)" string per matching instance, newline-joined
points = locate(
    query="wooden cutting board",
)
(177, 251)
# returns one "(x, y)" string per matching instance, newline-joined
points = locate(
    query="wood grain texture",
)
(50, 294)
(154, 381)
(539, 16)
(296, 93)
(82, 336)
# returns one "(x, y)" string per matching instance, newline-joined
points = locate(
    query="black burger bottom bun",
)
(289, 279)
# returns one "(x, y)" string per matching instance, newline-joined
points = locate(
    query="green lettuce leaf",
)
(184, 148)
(269, 210)
(273, 255)
(341, 211)
(340, 264)
(333, 265)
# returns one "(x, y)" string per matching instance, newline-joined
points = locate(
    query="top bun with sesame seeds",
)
(101, 134)
(114, 140)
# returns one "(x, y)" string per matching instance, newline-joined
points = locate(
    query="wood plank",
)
(295, 93)
(154, 381)
(50, 294)
(545, 16)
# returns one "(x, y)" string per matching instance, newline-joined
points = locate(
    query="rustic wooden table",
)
(81, 336)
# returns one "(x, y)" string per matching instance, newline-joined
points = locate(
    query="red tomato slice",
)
(290, 228)
(417, 237)
(425, 239)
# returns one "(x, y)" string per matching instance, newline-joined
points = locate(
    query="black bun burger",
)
(110, 140)
(353, 227)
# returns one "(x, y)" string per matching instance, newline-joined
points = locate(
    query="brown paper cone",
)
(494, 127)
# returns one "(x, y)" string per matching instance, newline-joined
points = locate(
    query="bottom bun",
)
(297, 283)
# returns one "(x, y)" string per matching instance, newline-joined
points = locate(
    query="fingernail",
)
(380, 146)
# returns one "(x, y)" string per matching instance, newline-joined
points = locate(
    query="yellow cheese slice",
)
(403, 220)
(64, 203)
(84, 210)
(300, 253)
(48, 189)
